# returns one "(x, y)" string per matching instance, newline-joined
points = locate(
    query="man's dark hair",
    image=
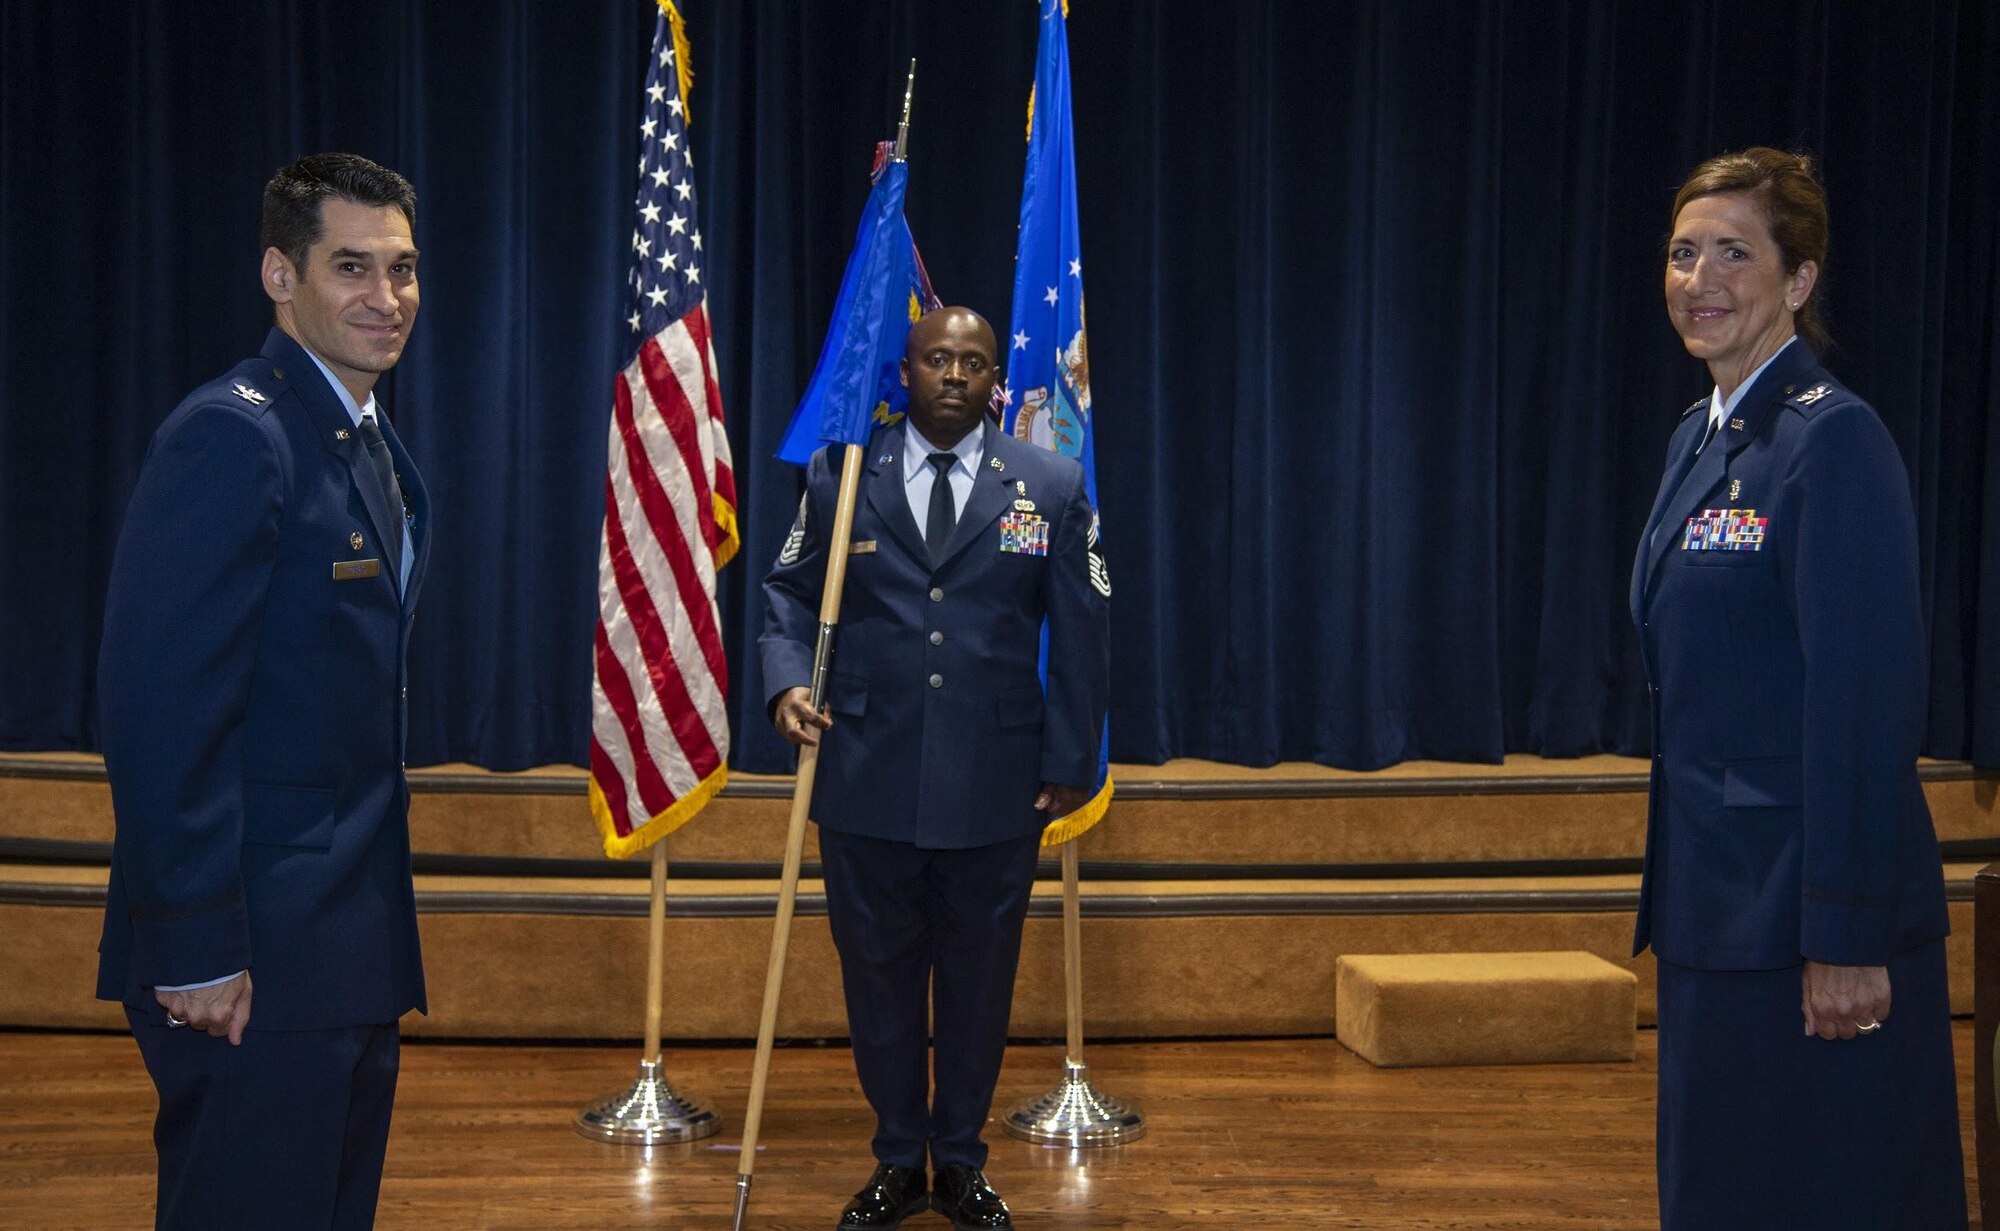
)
(293, 219)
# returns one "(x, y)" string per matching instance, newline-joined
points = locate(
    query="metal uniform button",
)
(937, 638)
(937, 595)
(937, 681)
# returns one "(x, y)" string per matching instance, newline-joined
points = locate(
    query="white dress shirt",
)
(919, 474)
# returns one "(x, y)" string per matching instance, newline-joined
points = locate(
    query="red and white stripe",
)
(659, 727)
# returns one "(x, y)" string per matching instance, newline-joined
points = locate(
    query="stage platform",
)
(1215, 898)
(1247, 1135)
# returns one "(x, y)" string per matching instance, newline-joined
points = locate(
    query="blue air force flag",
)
(1048, 352)
(856, 385)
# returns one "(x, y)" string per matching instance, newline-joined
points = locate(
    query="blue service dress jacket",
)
(252, 699)
(942, 729)
(1777, 601)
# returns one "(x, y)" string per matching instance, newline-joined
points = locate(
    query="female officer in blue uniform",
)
(1793, 893)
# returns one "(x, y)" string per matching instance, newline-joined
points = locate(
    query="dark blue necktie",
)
(943, 516)
(392, 491)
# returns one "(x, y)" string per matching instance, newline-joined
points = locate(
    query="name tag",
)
(354, 570)
(861, 547)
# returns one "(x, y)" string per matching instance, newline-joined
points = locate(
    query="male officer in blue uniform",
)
(251, 684)
(944, 755)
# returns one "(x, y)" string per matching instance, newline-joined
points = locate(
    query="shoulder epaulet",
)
(1813, 398)
(250, 386)
(1697, 406)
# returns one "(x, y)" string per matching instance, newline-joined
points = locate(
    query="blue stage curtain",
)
(1382, 368)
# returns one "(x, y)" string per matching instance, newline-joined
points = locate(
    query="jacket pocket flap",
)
(1778, 782)
(287, 815)
(1019, 707)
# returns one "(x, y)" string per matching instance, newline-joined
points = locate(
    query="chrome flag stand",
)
(649, 1112)
(1074, 1114)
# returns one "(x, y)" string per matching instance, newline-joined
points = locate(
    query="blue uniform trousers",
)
(928, 935)
(286, 1131)
(1761, 1125)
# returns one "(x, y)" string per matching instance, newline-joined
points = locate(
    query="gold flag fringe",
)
(684, 58)
(682, 810)
(1077, 823)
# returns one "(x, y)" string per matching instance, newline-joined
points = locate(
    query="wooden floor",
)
(1265, 1134)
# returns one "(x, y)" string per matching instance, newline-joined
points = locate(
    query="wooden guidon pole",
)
(795, 832)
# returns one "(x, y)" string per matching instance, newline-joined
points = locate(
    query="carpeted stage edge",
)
(1216, 899)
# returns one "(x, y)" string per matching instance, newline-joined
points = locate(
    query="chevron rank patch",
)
(1725, 530)
(1100, 573)
(795, 541)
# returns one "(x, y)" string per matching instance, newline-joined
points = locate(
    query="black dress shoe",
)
(964, 1196)
(892, 1194)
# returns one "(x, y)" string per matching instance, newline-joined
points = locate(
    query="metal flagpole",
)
(649, 1112)
(795, 832)
(1074, 1114)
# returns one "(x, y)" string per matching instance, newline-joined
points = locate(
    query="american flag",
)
(659, 731)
